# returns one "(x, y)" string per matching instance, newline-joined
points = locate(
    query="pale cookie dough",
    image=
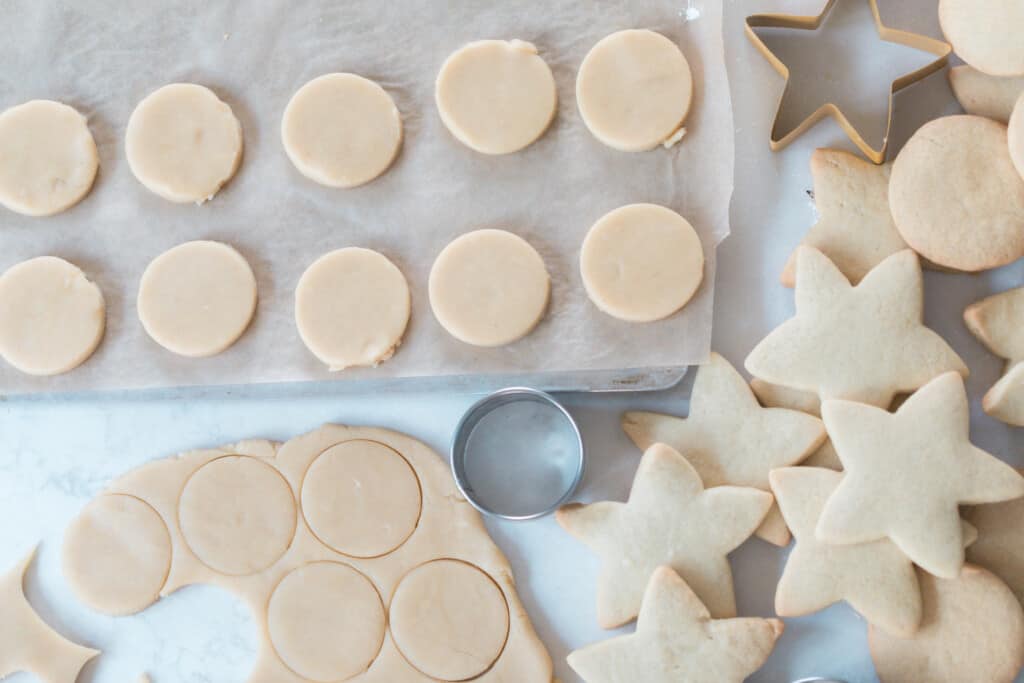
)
(48, 158)
(986, 35)
(1000, 544)
(641, 262)
(972, 632)
(677, 640)
(489, 288)
(183, 143)
(634, 90)
(955, 195)
(52, 317)
(197, 298)
(1015, 136)
(341, 130)
(998, 322)
(984, 95)
(670, 519)
(352, 306)
(496, 96)
(777, 396)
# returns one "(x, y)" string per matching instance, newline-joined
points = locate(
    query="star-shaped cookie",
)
(907, 472)
(672, 520)
(677, 640)
(861, 343)
(998, 322)
(1000, 544)
(777, 396)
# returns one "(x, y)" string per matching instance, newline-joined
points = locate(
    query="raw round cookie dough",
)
(48, 158)
(51, 316)
(197, 298)
(1015, 136)
(496, 96)
(641, 262)
(634, 90)
(183, 143)
(351, 307)
(341, 130)
(986, 34)
(955, 196)
(489, 288)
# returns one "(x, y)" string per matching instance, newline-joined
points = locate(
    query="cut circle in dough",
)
(449, 619)
(116, 554)
(1015, 136)
(489, 288)
(341, 130)
(986, 35)
(634, 90)
(641, 262)
(496, 96)
(183, 143)
(326, 621)
(196, 299)
(52, 316)
(352, 306)
(48, 158)
(237, 515)
(361, 498)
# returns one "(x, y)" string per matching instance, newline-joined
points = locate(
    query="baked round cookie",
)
(634, 90)
(986, 34)
(197, 298)
(48, 158)
(496, 96)
(955, 195)
(1015, 135)
(341, 130)
(183, 143)
(984, 95)
(489, 288)
(641, 262)
(52, 316)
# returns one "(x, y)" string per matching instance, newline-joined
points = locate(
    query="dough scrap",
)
(983, 95)
(48, 158)
(998, 322)
(341, 130)
(986, 34)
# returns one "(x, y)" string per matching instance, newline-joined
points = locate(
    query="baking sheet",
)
(103, 56)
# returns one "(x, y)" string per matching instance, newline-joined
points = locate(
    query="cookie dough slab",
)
(986, 35)
(998, 322)
(983, 95)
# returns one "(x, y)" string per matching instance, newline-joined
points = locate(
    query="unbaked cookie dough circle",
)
(237, 515)
(496, 96)
(986, 34)
(634, 90)
(352, 306)
(197, 298)
(183, 143)
(449, 620)
(641, 262)
(51, 316)
(326, 621)
(489, 288)
(48, 158)
(116, 554)
(1015, 136)
(341, 130)
(955, 195)
(361, 498)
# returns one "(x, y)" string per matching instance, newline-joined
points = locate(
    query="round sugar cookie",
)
(955, 196)
(51, 316)
(1015, 136)
(641, 262)
(496, 96)
(986, 33)
(197, 298)
(634, 90)
(352, 306)
(341, 130)
(489, 288)
(48, 158)
(183, 143)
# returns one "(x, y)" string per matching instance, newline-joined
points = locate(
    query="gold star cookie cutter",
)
(940, 49)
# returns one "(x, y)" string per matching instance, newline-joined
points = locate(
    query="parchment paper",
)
(103, 56)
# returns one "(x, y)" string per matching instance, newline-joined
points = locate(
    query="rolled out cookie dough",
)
(341, 130)
(489, 288)
(634, 90)
(351, 307)
(197, 298)
(51, 316)
(986, 35)
(1015, 135)
(984, 95)
(48, 158)
(183, 143)
(641, 262)
(496, 96)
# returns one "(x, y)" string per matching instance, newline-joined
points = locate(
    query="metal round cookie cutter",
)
(517, 454)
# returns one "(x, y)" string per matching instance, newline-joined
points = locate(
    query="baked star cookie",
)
(777, 396)
(998, 322)
(677, 640)
(670, 519)
(1000, 544)
(862, 343)
(983, 95)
